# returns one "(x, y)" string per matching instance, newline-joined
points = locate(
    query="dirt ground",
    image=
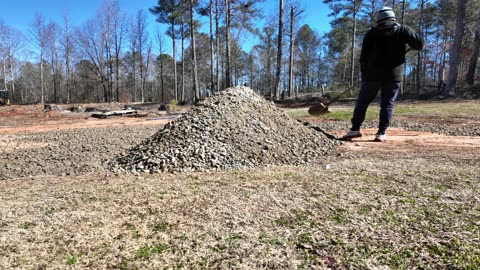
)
(409, 203)
(29, 119)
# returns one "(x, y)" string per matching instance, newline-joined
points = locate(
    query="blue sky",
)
(20, 13)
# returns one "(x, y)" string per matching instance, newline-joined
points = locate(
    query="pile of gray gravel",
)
(234, 129)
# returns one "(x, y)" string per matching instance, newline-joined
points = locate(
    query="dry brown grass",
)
(370, 213)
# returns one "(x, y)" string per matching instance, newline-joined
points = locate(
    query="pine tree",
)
(169, 12)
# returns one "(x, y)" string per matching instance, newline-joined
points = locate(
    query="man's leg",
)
(368, 92)
(389, 95)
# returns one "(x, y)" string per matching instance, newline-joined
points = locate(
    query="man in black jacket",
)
(382, 65)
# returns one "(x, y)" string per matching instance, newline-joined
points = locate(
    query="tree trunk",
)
(269, 70)
(437, 58)
(456, 48)
(174, 61)
(162, 89)
(134, 71)
(441, 71)
(140, 82)
(251, 68)
(144, 74)
(42, 82)
(67, 78)
(194, 55)
(279, 51)
(110, 73)
(118, 42)
(54, 72)
(291, 60)
(212, 52)
(472, 66)
(217, 47)
(160, 52)
(12, 76)
(352, 54)
(402, 88)
(227, 41)
(419, 68)
(117, 79)
(4, 69)
(423, 78)
(182, 30)
(66, 48)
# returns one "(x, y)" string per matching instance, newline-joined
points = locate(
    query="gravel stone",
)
(236, 128)
(70, 152)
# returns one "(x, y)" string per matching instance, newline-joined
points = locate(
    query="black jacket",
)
(383, 51)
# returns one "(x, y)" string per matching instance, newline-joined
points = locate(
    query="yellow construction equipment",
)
(4, 97)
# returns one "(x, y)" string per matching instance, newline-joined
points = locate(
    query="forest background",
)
(185, 50)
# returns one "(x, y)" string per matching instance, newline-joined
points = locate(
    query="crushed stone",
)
(236, 128)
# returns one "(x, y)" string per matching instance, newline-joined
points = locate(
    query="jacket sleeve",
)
(364, 54)
(414, 40)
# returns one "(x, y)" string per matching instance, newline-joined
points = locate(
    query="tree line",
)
(115, 58)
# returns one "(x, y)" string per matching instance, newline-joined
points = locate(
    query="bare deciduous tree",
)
(91, 43)
(39, 38)
(67, 45)
(143, 48)
(52, 30)
(112, 28)
(11, 41)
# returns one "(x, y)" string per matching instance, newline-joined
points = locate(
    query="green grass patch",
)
(27, 225)
(267, 239)
(305, 240)
(339, 215)
(365, 209)
(71, 259)
(443, 187)
(390, 216)
(283, 176)
(233, 240)
(439, 109)
(297, 218)
(146, 252)
(430, 109)
(160, 226)
(123, 264)
(408, 200)
(135, 232)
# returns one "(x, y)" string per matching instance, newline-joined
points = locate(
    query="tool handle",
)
(343, 93)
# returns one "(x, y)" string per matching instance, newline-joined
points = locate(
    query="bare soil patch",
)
(411, 142)
(30, 119)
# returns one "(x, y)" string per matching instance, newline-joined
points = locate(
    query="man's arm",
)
(414, 40)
